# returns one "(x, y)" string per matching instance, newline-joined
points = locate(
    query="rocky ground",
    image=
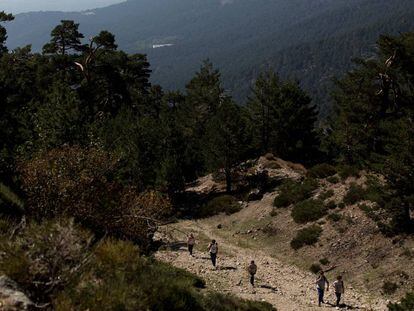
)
(11, 297)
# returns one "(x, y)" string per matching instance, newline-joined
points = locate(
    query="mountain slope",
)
(310, 40)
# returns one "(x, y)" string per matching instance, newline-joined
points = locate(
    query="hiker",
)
(339, 289)
(213, 249)
(190, 243)
(320, 285)
(252, 269)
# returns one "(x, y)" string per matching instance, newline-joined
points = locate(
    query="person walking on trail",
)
(213, 249)
(320, 285)
(339, 289)
(252, 269)
(190, 243)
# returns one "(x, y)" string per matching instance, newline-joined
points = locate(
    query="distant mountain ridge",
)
(310, 40)
(19, 6)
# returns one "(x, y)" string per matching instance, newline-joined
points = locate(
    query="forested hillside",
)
(311, 41)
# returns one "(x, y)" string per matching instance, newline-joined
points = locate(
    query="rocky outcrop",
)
(11, 296)
(257, 175)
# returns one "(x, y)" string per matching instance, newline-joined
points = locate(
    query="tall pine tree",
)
(65, 38)
(282, 119)
(225, 140)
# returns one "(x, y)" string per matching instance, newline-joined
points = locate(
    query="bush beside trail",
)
(406, 304)
(226, 204)
(291, 192)
(308, 211)
(306, 236)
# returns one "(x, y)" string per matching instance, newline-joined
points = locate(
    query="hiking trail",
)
(285, 286)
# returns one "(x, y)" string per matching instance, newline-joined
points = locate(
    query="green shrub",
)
(331, 205)
(326, 194)
(334, 217)
(389, 288)
(223, 204)
(315, 268)
(341, 205)
(346, 171)
(309, 210)
(322, 171)
(354, 195)
(291, 192)
(333, 179)
(406, 304)
(306, 236)
(324, 261)
(376, 192)
(369, 211)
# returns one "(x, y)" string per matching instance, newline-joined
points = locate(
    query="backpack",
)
(213, 248)
(252, 269)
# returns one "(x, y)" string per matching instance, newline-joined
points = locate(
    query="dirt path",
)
(286, 287)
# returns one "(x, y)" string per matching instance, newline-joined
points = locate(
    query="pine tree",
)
(173, 172)
(4, 17)
(65, 38)
(58, 119)
(262, 109)
(225, 140)
(282, 119)
(204, 94)
(99, 45)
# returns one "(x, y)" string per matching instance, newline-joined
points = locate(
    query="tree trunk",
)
(408, 223)
(228, 180)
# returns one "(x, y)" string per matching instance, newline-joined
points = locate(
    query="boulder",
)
(11, 296)
(255, 195)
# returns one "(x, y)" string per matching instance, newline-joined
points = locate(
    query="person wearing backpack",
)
(190, 243)
(339, 289)
(252, 269)
(213, 249)
(320, 285)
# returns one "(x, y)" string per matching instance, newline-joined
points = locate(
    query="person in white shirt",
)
(339, 289)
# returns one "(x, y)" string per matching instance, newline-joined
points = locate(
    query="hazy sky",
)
(19, 6)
